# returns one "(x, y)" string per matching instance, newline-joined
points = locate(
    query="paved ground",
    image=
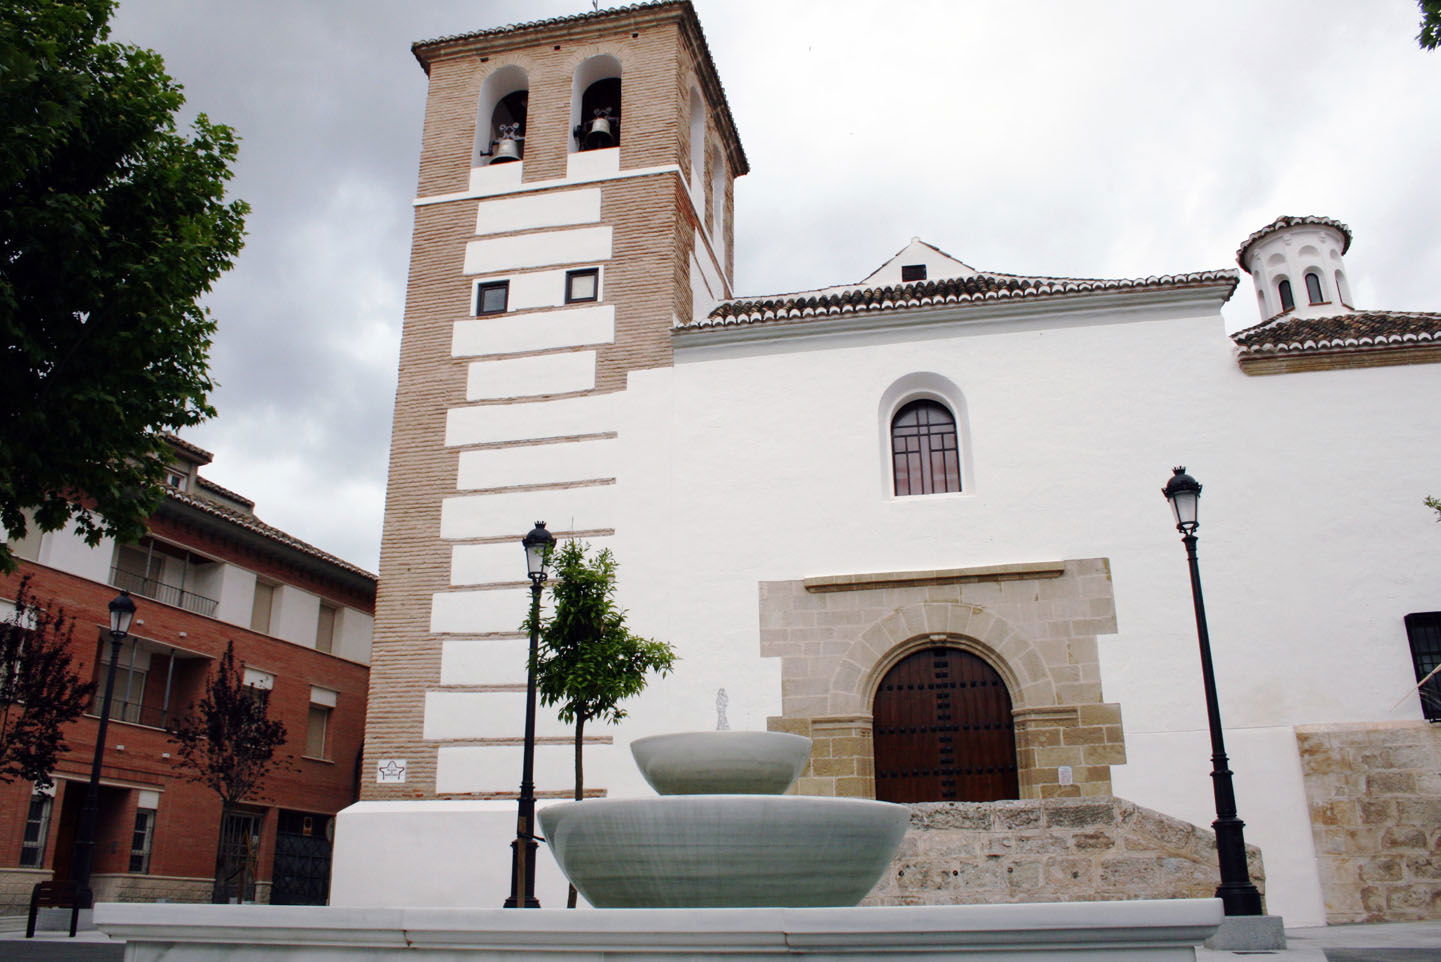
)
(1395, 942)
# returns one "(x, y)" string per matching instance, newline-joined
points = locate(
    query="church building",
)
(917, 518)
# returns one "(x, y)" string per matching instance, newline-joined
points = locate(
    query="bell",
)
(599, 135)
(506, 150)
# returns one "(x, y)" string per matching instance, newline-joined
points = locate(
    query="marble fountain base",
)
(1139, 931)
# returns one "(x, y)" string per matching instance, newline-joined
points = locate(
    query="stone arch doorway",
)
(943, 730)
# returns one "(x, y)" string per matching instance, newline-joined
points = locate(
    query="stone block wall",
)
(1035, 623)
(1052, 850)
(1374, 792)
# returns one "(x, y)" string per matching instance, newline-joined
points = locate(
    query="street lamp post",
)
(1237, 894)
(122, 612)
(522, 867)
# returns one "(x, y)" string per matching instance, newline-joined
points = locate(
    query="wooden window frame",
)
(914, 455)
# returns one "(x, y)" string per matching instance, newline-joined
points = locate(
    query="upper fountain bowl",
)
(721, 763)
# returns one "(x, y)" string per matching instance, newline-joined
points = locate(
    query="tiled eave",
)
(1287, 221)
(983, 296)
(265, 539)
(1361, 339)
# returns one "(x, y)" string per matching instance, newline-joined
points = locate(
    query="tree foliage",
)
(1430, 36)
(39, 694)
(588, 661)
(228, 741)
(112, 224)
(1435, 505)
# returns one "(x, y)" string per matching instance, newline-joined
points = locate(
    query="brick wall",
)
(1056, 850)
(1374, 791)
(188, 818)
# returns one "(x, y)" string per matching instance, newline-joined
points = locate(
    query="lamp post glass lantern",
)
(1237, 894)
(537, 546)
(122, 614)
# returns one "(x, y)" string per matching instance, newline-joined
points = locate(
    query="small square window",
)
(582, 285)
(913, 272)
(492, 298)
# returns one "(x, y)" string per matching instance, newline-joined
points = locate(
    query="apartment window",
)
(1423, 631)
(925, 453)
(582, 285)
(37, 831)
(317, 729)
(262, 606)
(492, 297)
(141, 839)
(127, 703)
(325, 628)
(258, 684)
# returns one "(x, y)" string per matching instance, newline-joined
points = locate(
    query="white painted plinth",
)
(437, 853)
(1143, 931)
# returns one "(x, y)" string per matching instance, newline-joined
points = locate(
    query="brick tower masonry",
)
(536, 285)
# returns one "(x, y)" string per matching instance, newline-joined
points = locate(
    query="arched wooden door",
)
(943, 730)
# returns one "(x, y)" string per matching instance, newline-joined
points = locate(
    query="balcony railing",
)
(138, 584)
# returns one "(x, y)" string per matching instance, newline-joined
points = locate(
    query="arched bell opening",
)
(595, 104)
(501, 117)
(943, 730)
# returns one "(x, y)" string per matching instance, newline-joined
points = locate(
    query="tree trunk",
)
(570, 894)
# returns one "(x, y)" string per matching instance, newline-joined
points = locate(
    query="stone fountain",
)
(721, 867)
(721, 834)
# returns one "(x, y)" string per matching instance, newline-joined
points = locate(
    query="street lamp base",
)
(1242, 899)
(1249, 933)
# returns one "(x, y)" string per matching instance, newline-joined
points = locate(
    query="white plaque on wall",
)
(390, 771)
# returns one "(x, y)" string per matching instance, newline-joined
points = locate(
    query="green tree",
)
(1435, 505)
(39, 694)
(227, 742)
(1430, 36)
(588, 661)
(112, 225)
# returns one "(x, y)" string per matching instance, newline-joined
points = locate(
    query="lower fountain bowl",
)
(724, 851)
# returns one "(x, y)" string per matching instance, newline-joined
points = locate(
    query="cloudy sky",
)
(1098, 139)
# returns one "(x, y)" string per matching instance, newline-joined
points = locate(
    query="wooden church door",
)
(943, 730)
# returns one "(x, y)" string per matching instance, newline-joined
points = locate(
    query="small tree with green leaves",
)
(39, 693)
(227, 742)
(1430, 36)
(588, 661)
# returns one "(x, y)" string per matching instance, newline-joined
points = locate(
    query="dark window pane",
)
(925, 449)
(1288, 301)
(1423, 631)
(913, 272)
(1313, 288)
(492, 298)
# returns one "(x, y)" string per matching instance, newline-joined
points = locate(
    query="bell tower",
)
(574, 205)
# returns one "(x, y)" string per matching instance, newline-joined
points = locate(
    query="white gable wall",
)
(760, 462)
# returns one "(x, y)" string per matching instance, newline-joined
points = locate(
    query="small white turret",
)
(1295, 263)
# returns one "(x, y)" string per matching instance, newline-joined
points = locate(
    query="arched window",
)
(595, 104)
(943, 730)
(1342, 291)
(500, 117)
(1288, 300)
(697, 144)
(924, 449)
(1313, 288)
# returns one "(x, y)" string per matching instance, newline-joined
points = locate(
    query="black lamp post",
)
(522, 867)
(1237, 894)
(122, 613)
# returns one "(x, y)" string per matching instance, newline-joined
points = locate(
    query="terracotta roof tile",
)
(1359, 330)
(985, 287)
(251, 523)
(223, 491)
(1286, 220)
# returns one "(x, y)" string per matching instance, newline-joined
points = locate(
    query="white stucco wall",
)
(67, 551)
(1313, 543)
(353, 632)
(236, 595)
(294, 615)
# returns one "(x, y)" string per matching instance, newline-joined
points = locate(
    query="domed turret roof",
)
(1286, 221)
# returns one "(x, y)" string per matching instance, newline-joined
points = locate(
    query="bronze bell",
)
(506, 150)
(599, 134)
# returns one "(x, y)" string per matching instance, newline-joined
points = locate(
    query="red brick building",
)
(208, 573)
